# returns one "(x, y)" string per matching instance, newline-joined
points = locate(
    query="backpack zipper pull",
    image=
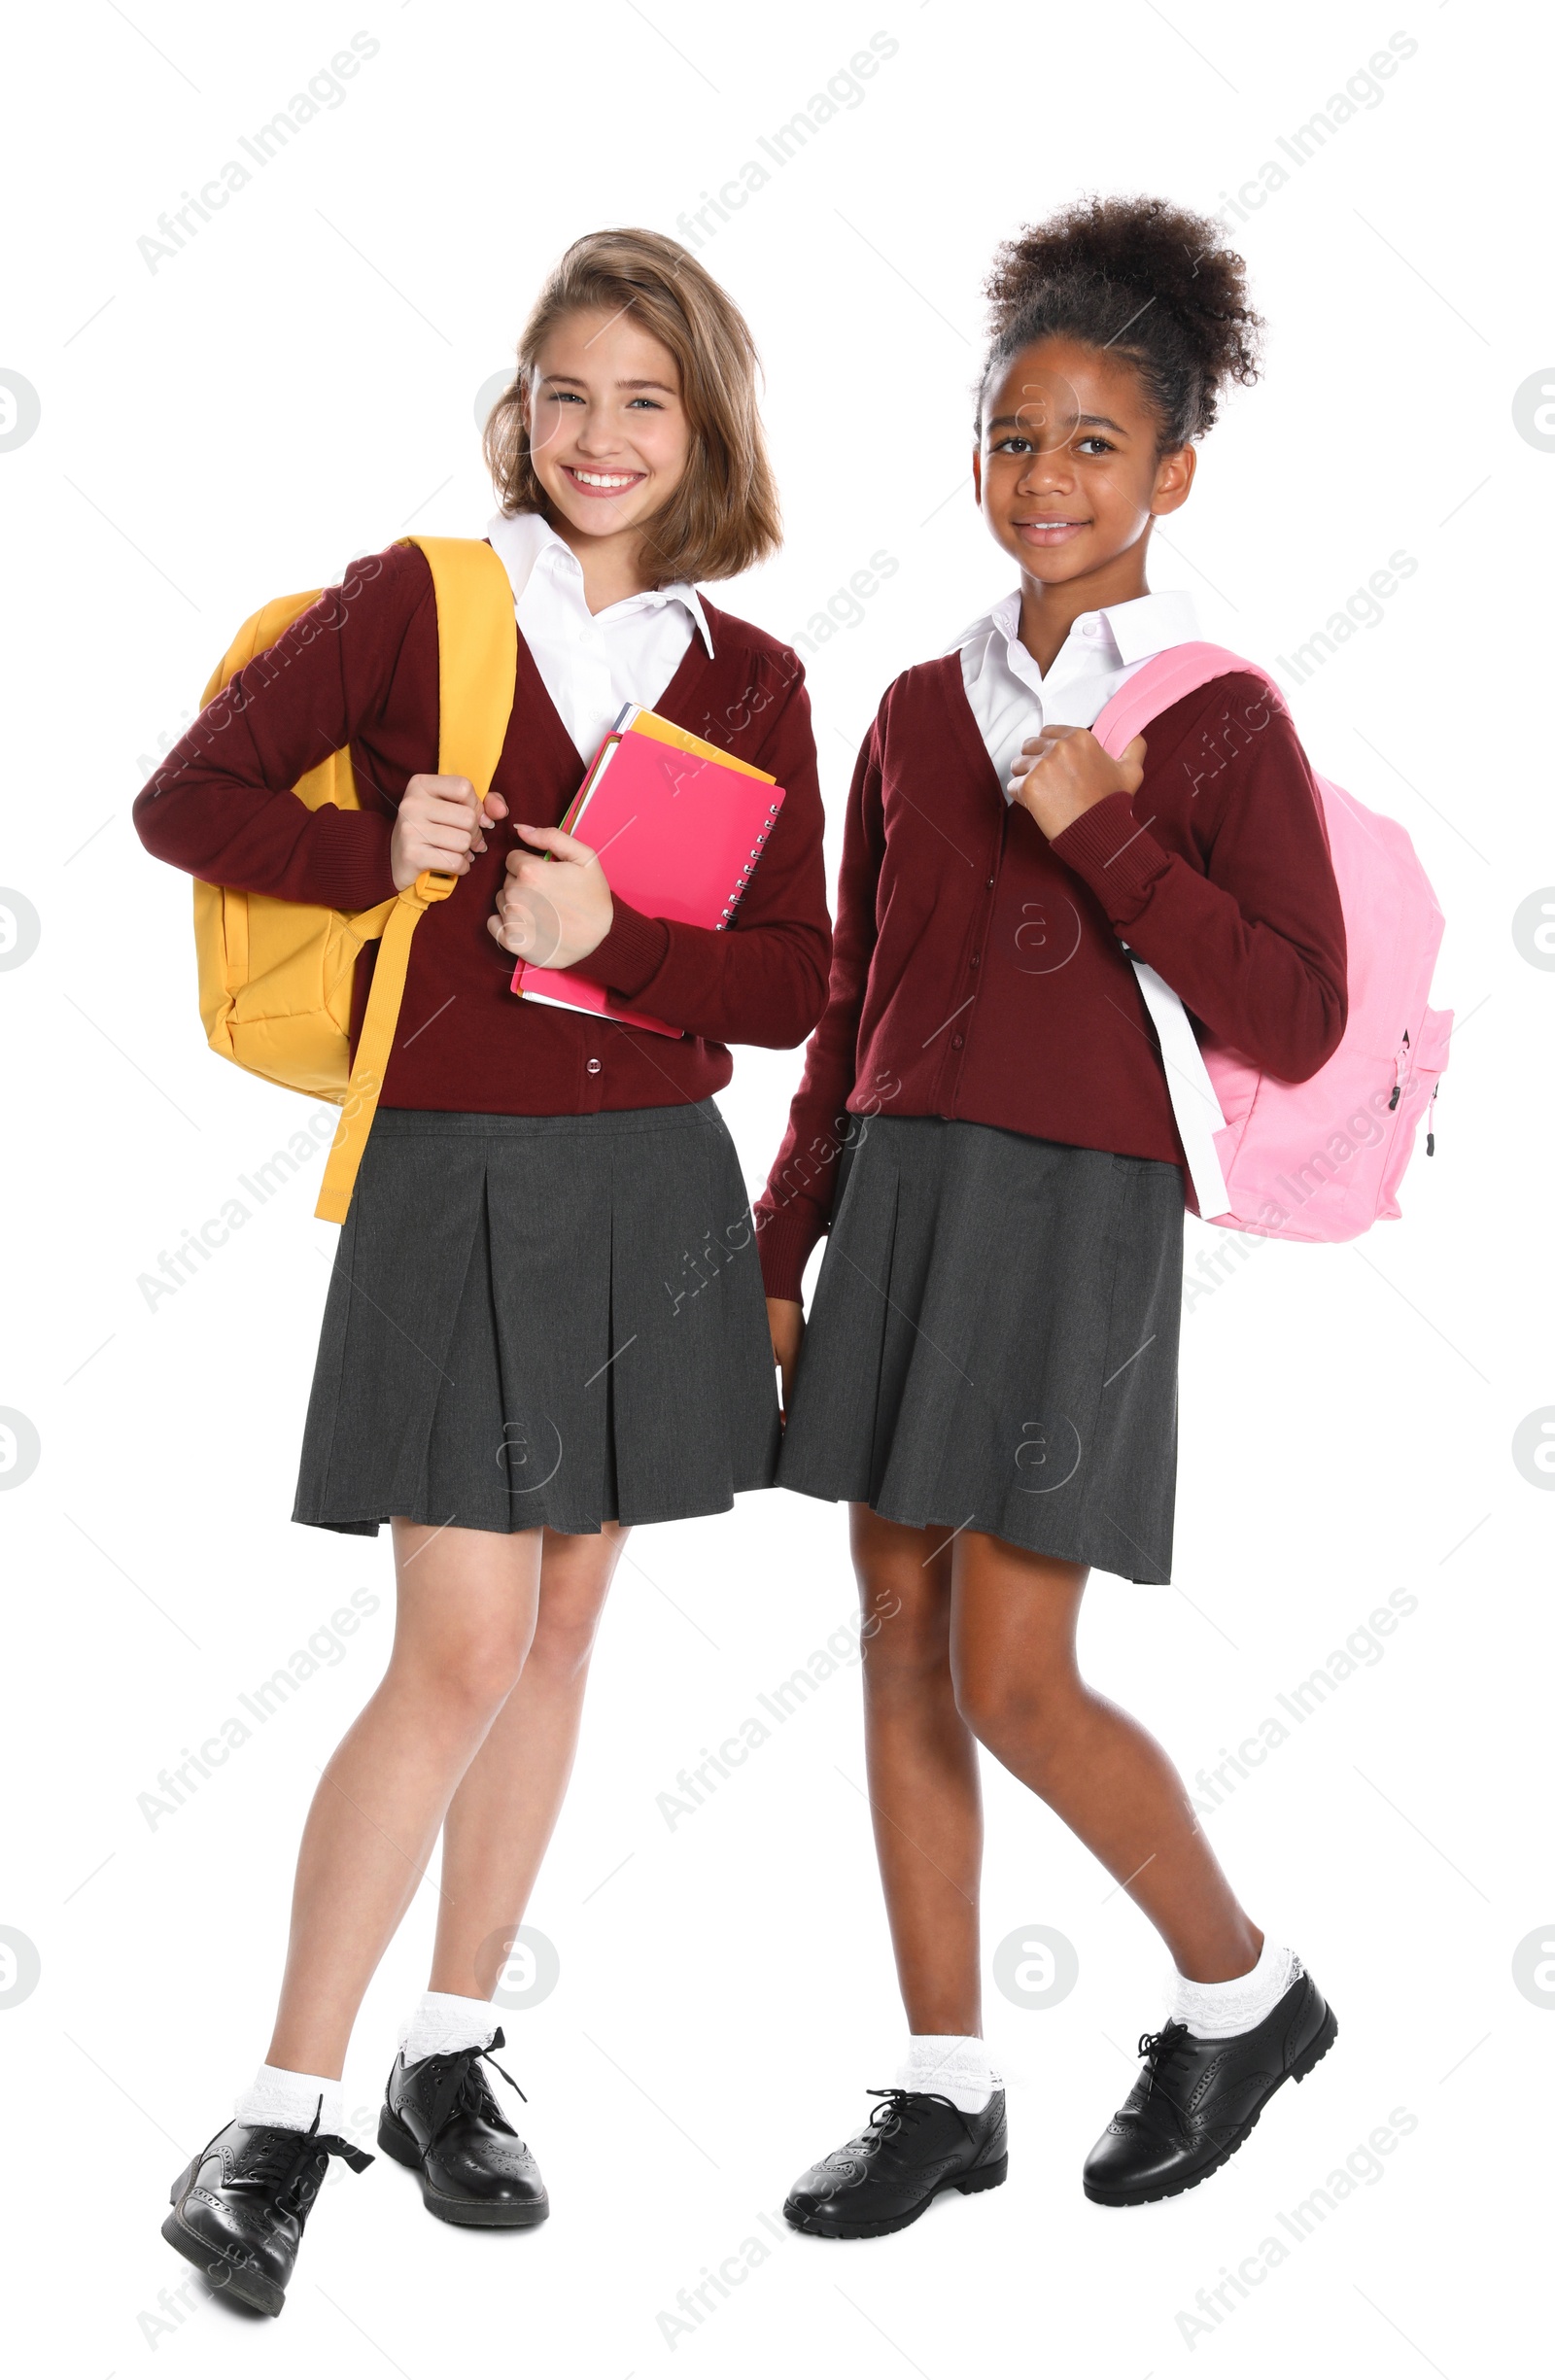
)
(1398, 1071)
(1430, 1118)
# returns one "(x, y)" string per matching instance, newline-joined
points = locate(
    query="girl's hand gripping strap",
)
(1163, 680)
(477, 655)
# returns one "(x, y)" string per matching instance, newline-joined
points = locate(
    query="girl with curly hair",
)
(983, 1130)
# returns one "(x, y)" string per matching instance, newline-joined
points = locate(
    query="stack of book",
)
(678, 825)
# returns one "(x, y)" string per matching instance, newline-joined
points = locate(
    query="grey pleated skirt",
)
(993, 1343)
(535, 1319)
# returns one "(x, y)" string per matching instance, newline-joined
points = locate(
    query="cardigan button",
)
(958, 1040)
(592, 1066)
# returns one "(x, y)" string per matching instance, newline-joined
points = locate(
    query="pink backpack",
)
(1320, 1159)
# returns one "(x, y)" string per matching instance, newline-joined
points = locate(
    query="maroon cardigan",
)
(361, 668)
(978, 970)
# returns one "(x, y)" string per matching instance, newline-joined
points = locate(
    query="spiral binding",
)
(747, 872)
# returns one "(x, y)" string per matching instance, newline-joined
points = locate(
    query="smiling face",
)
(1068, 475)
(607, 428)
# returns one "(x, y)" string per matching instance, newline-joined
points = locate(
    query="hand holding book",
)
(681, 824)
(554, 906)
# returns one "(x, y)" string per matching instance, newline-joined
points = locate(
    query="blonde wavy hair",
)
(723, 516)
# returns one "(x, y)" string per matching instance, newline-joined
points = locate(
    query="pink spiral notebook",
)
(678, 826)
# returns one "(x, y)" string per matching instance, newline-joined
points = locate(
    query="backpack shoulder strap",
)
(1164, 679)
(477, 651)
(477, 657)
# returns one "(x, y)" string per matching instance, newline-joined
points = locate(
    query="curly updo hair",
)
(1147, 281)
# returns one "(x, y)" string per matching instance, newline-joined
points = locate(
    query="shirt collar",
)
(1148, 624)
(1151, 624)
(524, 542)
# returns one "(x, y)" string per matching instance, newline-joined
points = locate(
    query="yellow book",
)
(665, 731)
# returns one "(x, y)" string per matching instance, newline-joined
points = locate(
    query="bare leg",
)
(1018, 1688)
(923, 1771)
(464, 1617)
(500, 1819)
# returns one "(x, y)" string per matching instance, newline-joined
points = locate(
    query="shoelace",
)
(1157, 2050)
(899, 2107)
(286, 2159)
(464, 2089)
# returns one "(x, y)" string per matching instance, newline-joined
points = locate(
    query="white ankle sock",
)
(956, 2065)
(280, 2096)
(1215, 2011)
(444, 2022)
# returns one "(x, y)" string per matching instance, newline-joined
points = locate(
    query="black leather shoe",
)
(440, 2119)
(1196, 2101)
(239, 2207)
(917, 2144)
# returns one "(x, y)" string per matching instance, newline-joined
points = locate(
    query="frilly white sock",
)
(280, 2096)
(444, 2022)
(1215, 2011)
(956, 2065)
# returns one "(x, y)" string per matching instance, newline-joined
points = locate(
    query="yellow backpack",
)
(275, 976)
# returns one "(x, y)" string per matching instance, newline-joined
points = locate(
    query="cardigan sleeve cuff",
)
(783, 1242)
(1118, 858)
(631, 954)
(348, 864)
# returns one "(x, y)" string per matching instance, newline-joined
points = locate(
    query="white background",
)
(296, 386)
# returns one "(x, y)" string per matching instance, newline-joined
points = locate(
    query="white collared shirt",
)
(1010, 697)
(591, 662)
